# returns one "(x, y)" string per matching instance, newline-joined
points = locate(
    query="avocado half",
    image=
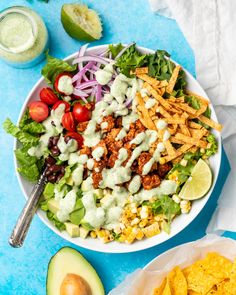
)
(68, 260)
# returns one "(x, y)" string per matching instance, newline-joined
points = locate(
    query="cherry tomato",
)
(48, 96)
(38, 111)
(57, 81)
(75, 136)
(68, 121)
(59, 102)
(81, 113)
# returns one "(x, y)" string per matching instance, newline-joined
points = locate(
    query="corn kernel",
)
(135, 221)
(143, 223)
(93, 234)
(162, 161)
(139, 235)
(151, 230)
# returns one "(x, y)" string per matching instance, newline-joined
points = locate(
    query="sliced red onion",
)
(87, 84)
(81, 53)
(99, 93)
(80, 74)
(128, 102)
(88, 58)
(80, 93)
(123, 50)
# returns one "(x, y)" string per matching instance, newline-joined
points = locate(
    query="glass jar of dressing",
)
(23, 37)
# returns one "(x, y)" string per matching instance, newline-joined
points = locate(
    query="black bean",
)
(50, 142)
(52, 178)
(55, 140)
(50, 161)
(60, 176)
(55, 168)
(55, 151)
(63, 170)
(48, 172)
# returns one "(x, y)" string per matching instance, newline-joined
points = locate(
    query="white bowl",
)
(179, 222)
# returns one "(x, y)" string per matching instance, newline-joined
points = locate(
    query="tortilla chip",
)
(210, 123)
(197, 133)
(145, 118)
(169, 148)
(173, 79)
(173, 129)
(177, 282)
(152, 81)
(162, 91)
(163, 83)
(193, 149)
(191, 140)
(191, 292)
(201, 110)
(159, 290)
(167, 290)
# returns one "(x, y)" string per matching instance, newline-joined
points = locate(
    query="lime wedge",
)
(80, 22)
(198, 184)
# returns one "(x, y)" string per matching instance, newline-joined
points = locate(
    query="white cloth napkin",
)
(210, 27)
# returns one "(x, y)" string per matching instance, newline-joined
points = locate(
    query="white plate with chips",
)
(178, 224)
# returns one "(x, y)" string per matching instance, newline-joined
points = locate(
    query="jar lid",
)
(18, 30)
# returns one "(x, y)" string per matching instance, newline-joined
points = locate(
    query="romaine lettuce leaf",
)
(48, 191)
(54, 67)
(59, 225)
(115, 49)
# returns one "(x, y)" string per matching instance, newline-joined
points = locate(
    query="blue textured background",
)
(23, 271)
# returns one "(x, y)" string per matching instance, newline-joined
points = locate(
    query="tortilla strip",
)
(185, 107)
(203, 99)
(201, 110)
(191, 140)
(162, 91)
(184, 129)
(193, 149)
(178, 153)
(194, 125)
(198, 133)
(169, 148)
(210, 123)
(152, 81)
(160, 99)
(163, 111)
(173, 120)
(146, 120)
(175, 140)
(173, 79)
(143, 70)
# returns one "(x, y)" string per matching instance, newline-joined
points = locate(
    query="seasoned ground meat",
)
(142, 160)
(118, 122)
(97, 177)
(112, 159)
(139, 126)
(150, 181)
(111, 123)
(114, 146)
(90, 106)
(99, 165)
(85, 150)
(162, 170)
(82, 126)
(110, 137)
(130, 135)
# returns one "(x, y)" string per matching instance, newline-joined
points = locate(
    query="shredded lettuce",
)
(183, 172)
(214, 145)
(193, 101)
(165, 205)
(54, 67)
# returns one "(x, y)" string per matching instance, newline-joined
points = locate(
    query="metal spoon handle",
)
(23, 223)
